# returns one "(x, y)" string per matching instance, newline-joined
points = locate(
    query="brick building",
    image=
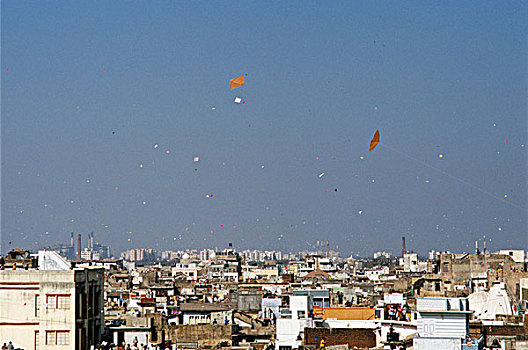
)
(353, 337)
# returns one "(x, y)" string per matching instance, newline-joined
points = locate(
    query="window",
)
(51, 338)
(446, 267)
(58, 301)
(300, 314)
(36, 340)
(63, 302)
(429, 328)
(51, 301)
(63, 338)
(57, 337)
(37, 305)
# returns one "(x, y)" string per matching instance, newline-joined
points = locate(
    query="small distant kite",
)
(375, 140)
(236, 82)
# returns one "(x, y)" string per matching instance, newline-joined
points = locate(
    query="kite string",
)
(452, 176)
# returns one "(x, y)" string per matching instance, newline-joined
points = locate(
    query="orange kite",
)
(236, 82)
(375, 140)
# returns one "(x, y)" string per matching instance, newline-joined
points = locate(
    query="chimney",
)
(403, 246)
(476, 247)
(484, 247)
(91, 241)
(71, 240)
(79, 247)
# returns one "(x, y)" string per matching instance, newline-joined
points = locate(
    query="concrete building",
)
(463, 267)
(293, 321)
(487, 305)
(523, 286)
(43, 309)
(139, 254)
(65, 250)
(200, 313)
(134, 327)
(319, 297)
(442, 323)
(344, 313)
(270, 308)
(207, 254)
(18, 259)
(88, 254)
(197, 336)
(51, 260)
(249, 300)
(340, 338)
(190, 270)
(382, 254)
(433, 255)
(227, 266)
(411, 263)
(516, 254)
(169, 255)
(375, 274)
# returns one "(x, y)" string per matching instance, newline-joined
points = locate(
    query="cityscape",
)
(263, 175)
(88, 297)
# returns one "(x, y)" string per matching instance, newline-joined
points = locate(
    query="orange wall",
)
(344, 313)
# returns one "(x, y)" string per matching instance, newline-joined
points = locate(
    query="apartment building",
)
(40, 309)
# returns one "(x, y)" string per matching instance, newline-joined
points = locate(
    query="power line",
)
(453, 177)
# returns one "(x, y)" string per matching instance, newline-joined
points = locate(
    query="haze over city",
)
(118, 119)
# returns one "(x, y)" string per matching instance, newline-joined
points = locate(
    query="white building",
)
(516, 254)
(190, 270)
(136, 328)
(209, 313)
(169, 255)
(410, 262)
(270, 308)
(375, 274)
(207, 254)
(51, 260)
(382, 254)
(433, 255)
(293, 320)
(226, 266)
(442, 323)
(88, 254)
(43, 309)
(487, 305)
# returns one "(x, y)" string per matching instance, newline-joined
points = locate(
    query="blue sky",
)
(89, 87)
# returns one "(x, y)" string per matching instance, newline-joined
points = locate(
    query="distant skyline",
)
(311, 248)
(118, 119)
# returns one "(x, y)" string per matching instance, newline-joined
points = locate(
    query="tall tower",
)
(91, 241)
(79, 247)
(403, 246)
(71, 240)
